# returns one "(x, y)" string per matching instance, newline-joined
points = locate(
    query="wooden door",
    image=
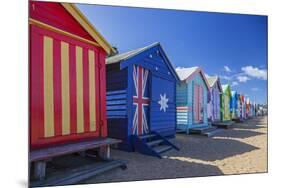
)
(162, 105)
(198, 111)
(226, 107)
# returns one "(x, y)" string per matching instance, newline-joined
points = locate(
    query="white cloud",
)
(234, 83)
(254, 89)
(226, 69)
(243, 78)
(255, 72)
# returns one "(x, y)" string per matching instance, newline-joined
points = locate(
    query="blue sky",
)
(232, 46)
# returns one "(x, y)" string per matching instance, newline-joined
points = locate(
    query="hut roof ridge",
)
(129, 54)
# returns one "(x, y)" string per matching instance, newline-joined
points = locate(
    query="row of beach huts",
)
(85, 97)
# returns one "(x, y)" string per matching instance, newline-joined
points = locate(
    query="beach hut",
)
(214, 100)
(192, 100)
(256, 109)
(235, 105)
(247, 106)
(67, 107)
(141, 99)
(242, 107)
(252, 109)
(238, 114)
(225, 103)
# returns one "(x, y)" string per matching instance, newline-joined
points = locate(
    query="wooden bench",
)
(41, 156)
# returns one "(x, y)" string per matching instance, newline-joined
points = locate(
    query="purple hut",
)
(213, 109)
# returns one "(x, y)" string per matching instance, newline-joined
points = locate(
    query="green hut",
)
(225, 103)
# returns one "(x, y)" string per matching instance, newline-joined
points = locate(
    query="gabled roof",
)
(86, 24)
(130, 54)
(242, 97)
(127, 55)
(233, 92)
(185, 74)
(226, 88)
(212, 80)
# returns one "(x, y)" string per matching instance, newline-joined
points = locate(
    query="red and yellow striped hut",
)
(67, 75)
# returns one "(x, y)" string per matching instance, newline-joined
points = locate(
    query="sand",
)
(238, 150)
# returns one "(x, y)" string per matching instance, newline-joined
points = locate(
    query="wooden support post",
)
(104, 152)
(40, 170)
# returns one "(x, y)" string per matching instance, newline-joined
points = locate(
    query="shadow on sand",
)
(249, 127)
(238, 133)
(142, 167)
(211, 149)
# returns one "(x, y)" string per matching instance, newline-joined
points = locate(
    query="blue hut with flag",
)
(141, 100)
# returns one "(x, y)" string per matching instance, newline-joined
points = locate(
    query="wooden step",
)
(199, 129)
(147, 136)
(210, 129)
(154, 142)
(205, 131)
(223, 124)
(237, 120)
(162, 148)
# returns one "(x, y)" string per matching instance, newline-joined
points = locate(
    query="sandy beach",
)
(238, 150)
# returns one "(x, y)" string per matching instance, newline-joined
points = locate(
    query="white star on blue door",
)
(163, 102)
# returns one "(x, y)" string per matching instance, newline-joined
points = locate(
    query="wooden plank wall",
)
(116, 101)
(116, 91)
(182, 108)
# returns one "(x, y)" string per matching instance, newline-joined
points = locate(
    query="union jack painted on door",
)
(140, 101)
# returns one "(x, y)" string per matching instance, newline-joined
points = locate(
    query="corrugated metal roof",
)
(184, 73)
(127, 55)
